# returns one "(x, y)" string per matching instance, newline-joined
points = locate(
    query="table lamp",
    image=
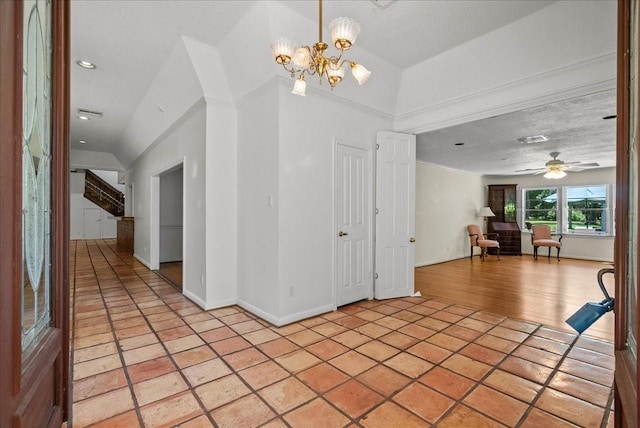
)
(486, 213)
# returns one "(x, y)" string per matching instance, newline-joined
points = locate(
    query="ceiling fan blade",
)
(531, 170)
(582, 166)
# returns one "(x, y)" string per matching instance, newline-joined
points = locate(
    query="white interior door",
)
(92, 227)
(353, 224)
(395, 219)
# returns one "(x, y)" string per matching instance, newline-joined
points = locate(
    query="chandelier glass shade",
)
(312, 60)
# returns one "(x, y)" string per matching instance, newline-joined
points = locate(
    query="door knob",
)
(412, 239)
(341, 233)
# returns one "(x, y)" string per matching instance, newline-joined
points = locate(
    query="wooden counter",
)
(125, 234)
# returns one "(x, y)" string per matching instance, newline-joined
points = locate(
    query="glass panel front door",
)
(36, 172)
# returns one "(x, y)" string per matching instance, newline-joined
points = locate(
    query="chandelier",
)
(312, 61)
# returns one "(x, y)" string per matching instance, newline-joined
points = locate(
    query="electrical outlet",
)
(291, 291)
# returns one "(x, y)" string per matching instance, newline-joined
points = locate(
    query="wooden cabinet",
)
(124, 234)
(502, 201)
(509, 237)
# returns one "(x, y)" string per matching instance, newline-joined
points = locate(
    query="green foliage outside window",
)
(584, 208)
(541, 207)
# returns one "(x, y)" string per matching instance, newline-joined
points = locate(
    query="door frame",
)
(371, 218)
(154, 215)
(23, 381)
(627, 368)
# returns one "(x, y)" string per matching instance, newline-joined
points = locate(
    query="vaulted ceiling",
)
(130, 40)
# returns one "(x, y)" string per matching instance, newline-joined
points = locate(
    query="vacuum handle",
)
(601, 273)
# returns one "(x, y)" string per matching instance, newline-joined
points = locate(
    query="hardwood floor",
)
(172, 272)
(543, 291)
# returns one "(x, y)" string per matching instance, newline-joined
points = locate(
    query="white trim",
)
(258, 312)
(220, 303)
(154, 223)
(298, 316)
(143, 261)
(195, 299)
(459, 171)
(291, 318)
(431, 117)
(154, 215)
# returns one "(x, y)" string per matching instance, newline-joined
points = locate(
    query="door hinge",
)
(377, 211)
(377, 146)
(375, 275)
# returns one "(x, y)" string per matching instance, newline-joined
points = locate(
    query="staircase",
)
(103, 194)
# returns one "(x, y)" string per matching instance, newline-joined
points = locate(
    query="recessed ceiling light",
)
(82, 141)
(532, 139)
(86, 64)
(83, 117)
(611, 116)
(459, 144)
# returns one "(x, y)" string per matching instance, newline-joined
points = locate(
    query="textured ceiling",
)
(573, 127)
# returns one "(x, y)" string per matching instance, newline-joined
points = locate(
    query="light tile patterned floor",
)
(143, 355)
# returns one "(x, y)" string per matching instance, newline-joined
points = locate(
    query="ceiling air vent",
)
(532, 139)
(89, 113)
(383, 4)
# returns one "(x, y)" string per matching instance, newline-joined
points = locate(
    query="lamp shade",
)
(555, 174)
(302, 57)
(300, 86)
(485, 212)
(282, 49)
(344, 32)
(360, 73)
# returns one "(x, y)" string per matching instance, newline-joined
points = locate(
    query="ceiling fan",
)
(556, 168)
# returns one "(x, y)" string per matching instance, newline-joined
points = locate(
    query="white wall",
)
(171, 206)
(87, 159)
(288, 153)
(184, 143)
(221, 204)
(111, 177)
(446, 202)
(259, 180)
(573, 246)
(258, 232)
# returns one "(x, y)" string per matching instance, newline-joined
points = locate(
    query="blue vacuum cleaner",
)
(591, 312)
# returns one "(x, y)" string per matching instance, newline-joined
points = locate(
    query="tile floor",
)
(143, 355)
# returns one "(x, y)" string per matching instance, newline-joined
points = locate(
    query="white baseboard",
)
(143, 261)
(288, 319)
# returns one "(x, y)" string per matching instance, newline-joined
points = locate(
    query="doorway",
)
(170, 215)
(353, 208)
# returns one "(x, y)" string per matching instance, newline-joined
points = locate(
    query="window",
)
(570, 209)
(541, 207)
(587, 209)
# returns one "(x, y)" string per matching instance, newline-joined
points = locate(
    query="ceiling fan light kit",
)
(555, 174)
(312, 61)
(556, 168)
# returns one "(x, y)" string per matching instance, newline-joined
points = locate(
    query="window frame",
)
(524, 210)
(608, 223)
(562, 210)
